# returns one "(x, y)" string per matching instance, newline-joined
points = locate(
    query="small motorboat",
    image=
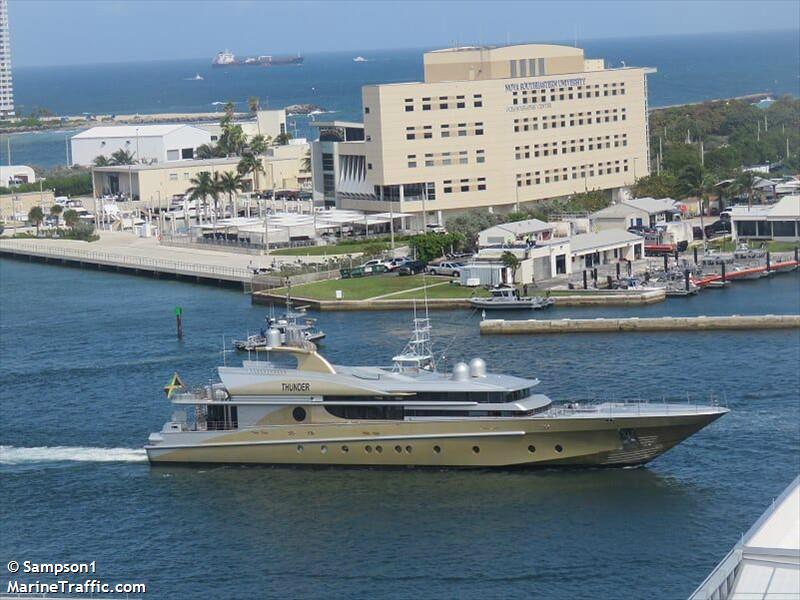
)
(296, 321)
(508, 298)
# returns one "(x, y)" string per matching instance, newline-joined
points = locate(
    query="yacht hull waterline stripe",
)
(430, 436)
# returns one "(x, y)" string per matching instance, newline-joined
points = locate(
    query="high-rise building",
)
(6, 88)
(493, 127)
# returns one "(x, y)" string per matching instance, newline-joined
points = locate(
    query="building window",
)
(410, 134)
(366, 110)
(429, 160)
(369, 166)
(430, 189)
(187, 153)
(327, 161)
(480, 156)
(173, 177)
(409, 108)
(447, 186)
(481, 183)
(464, 185)
(412, 161)
(427, 132)
(477, 100)
(328, 184)
(462, 157)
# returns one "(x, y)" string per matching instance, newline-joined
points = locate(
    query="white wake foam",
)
(11, 455)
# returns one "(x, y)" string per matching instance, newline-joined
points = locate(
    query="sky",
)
(61, 32)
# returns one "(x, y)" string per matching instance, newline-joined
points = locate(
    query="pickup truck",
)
(451, 269)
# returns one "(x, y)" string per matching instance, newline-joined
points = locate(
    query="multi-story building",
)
(498, 127)
(6, 87)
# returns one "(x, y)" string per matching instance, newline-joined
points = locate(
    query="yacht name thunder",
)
(408, 414)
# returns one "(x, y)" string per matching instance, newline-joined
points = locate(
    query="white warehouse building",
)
(146, 143)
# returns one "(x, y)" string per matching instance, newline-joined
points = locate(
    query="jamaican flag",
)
(174, 384)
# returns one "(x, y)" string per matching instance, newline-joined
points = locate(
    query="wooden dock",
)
(701, 323)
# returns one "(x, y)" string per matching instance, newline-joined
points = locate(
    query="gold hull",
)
(513, 442)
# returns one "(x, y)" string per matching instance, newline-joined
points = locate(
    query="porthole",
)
(531, 448)
(367, 449)
(408, 449)
(299, 413)
(559, 449)
(345, 449)
(437, 449)
(398, 449)
(323, 449)
(476, 449)
(378, 449)
(299, 449)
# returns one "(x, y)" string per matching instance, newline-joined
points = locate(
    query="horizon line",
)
(422, 47)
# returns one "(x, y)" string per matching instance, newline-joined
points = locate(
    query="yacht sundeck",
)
(407, 414)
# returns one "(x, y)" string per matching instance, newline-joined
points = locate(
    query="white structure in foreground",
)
(765, 564)
(146, 143)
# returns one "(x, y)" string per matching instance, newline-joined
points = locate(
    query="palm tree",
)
(696, 182)
(253, 103)
(230, 183)
(745, 183)
(250, 164)
(510, 260)
(122, 157)
(56, 211)
(202, 187)
(282, 138)
(258, 145)
(71, 217)
(305, 164)
(36, 216)
(204, 151)
(232, 141)
(101, 161)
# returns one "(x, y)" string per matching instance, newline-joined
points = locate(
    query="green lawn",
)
(730, 246)
(358, 288)
(442, 291)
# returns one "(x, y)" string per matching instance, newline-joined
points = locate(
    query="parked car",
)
(396, 263)
(412, 267)
(642, 230)
(376, 265)
(451, 269)
(717, 228)
(435, 228)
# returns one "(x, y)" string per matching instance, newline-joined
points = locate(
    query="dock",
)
(601, 325)
(80, 255)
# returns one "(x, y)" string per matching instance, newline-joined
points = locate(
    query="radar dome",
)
(460, 372)
(273, 338)
(477, 367)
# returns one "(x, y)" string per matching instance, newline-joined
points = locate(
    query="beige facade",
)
(157, 184)
(501, 127)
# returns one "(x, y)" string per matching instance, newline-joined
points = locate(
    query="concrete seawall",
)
(616, 298)
(702, 323)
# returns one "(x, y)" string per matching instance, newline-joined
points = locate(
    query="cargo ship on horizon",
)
(228, 59)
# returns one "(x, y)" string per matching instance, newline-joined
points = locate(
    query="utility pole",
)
(758, 133)
(702, 154)
(660, 154)
(766, 125)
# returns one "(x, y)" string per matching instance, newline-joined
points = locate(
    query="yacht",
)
(506, 297)
(408, 414)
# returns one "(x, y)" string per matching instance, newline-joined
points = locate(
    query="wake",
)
(12, 455)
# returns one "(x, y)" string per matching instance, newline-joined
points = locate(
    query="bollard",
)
(585, 283)
(723, 271)
(768, 263)
(594, 276)
(609, 279)
(686, 279)
(666, 263)
(695, 255)
(630, 268)
(179, 321)
(617, 270)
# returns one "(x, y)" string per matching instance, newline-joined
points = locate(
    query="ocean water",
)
(82, 374)
(690, 68)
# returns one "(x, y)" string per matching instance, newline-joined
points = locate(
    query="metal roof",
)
(518, 227)
(585, 242)
(126, 131)
(787, 207)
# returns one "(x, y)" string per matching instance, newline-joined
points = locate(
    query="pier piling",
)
(179, 321)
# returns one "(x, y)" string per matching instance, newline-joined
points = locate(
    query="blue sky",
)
(57, 32)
